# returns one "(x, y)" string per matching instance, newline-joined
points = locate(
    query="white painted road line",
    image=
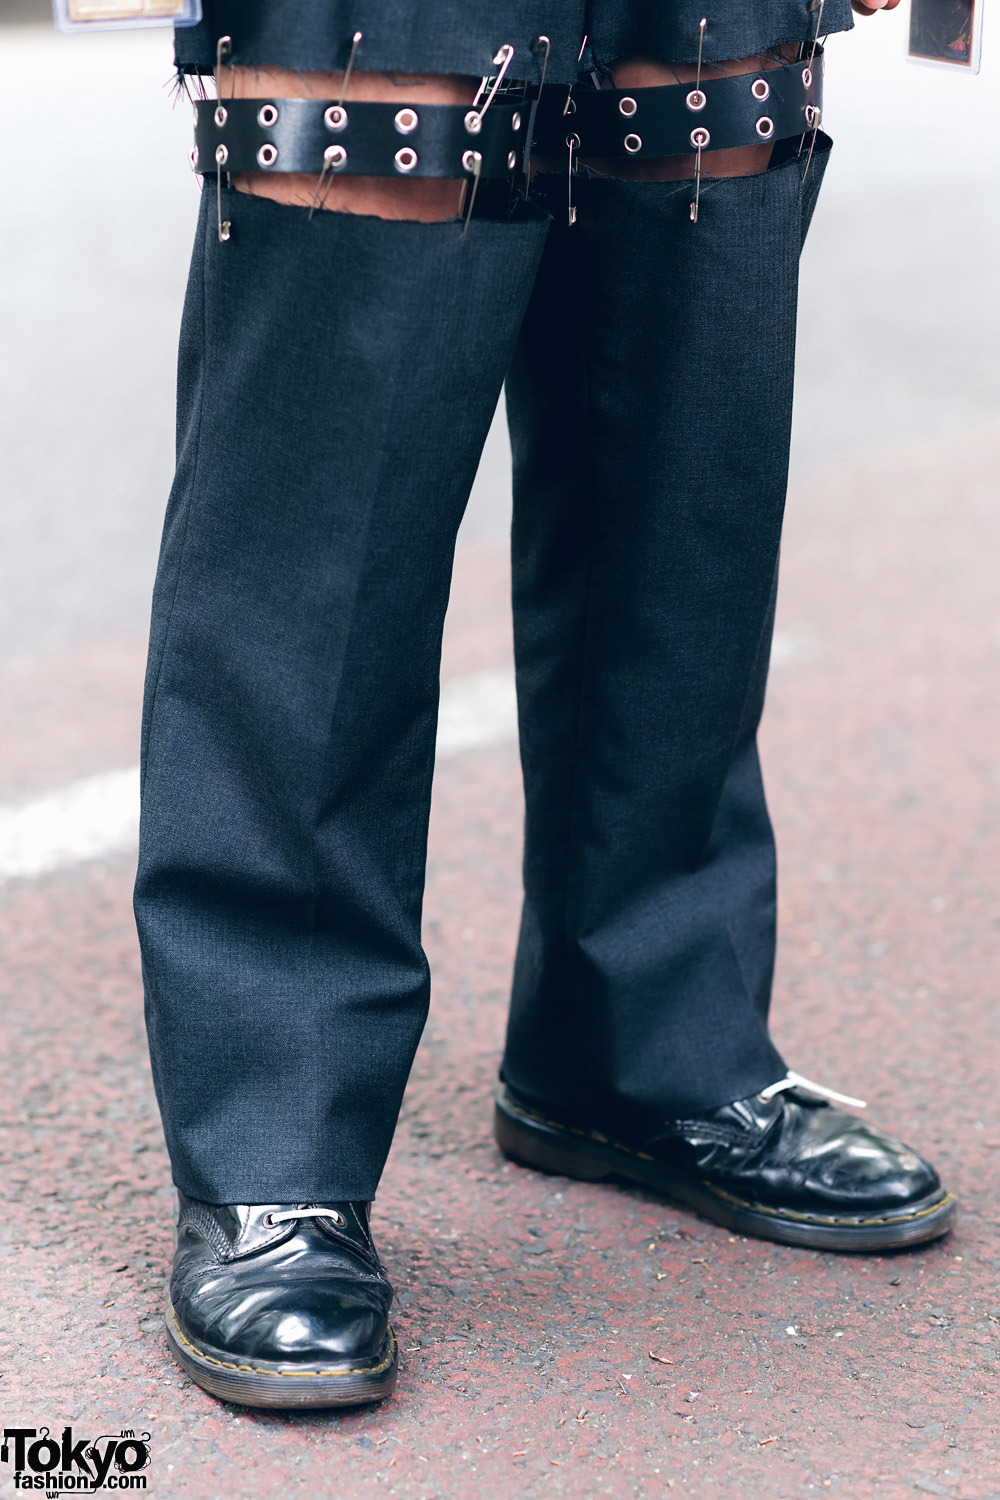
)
(476, 711)
(87, 819)
(99, 815)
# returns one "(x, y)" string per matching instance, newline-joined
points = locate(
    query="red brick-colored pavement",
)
(565, 1339)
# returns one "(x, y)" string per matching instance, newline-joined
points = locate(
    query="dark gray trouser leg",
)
(337, 380)
(650, 404)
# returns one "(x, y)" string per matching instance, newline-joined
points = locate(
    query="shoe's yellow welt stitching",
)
(760, 1208)
(293, 1374)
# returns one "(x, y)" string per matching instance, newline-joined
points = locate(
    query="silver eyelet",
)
(469, 160)
(632, 144)
(696, 100)
(221, 115)
(807, 77)
(267, 116)
(339, 1220)
(267, 155)
(222, 155)
(473, 122)
(511, 160)
(812, 115)
(515, 121)
(627, 107)
(765, 128)
(760, 88)
(267, 1220)
(335, 158)
(406, 121)
(405, 159)
(335, 118)
(700, 138)
(569, 107)
(194, 158)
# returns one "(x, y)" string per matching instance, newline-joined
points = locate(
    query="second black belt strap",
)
(723, 112)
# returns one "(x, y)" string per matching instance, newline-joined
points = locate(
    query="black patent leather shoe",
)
(780, 1165)
(281, 1305)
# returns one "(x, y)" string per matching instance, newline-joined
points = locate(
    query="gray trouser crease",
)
(338, 378)
(337, 381)
(649, 402)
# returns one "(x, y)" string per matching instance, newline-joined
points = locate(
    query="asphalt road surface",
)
(559, 1339)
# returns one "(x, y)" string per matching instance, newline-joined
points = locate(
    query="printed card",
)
(946, 32)
(117, 15)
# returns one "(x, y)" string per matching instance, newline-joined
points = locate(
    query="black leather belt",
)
(676, 120)
(446, 140)
(372, 140)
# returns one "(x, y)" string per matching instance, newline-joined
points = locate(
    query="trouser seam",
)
(191, 490)
(575, 797)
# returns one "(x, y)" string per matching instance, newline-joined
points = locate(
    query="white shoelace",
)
(796, 1081)
(285, 1215)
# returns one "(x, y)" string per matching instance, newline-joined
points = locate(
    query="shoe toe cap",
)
(298, 1324)
(863, 1169)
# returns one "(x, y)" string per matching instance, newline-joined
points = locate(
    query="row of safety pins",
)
(335, 156)
(700, 136)
(472, 161)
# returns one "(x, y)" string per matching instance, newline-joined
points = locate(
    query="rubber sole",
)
(284, 1387)
(548, 1146)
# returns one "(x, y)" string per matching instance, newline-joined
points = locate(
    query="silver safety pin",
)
(223, 227)
(335, 157)
(355, 44)
(536, 46)
(569, 108)
(812, 110)
(223, 49)
(817, 6)
(813, 113)
(572, 142)
(700, 138)
(702, 24)
(472, 161)
(474, 119)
